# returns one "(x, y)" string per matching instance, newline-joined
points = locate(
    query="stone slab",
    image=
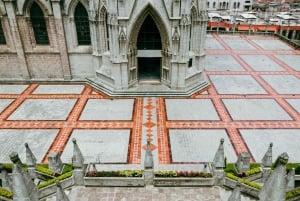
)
(236, 84)
(283, 84)
(292, 61)
(213, 44)
(238, 44)
(12, 89)
(216, 63)
(105, 146)
(255, 109)
(43, 109)
(59, 89)
(4, 103)
(295, 103)
(284, 140)
(261, 63)
(108, 109)
(190, 109)
(270, 44)
(198, 145)
(39, 141)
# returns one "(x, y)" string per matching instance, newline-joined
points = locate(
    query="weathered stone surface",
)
(148, 156)
(236, 194)
(5, 179)
(55, 163)
(30, 158)
(243, 162)
(275, 187)
(290, 180)
(267, 159)
(23, 187)
(60, 194)
(77, 159)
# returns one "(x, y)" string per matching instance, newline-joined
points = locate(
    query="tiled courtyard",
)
(254, 99)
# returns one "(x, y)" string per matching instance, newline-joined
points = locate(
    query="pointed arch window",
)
(2, 37)
(39, 25)
(82, 25)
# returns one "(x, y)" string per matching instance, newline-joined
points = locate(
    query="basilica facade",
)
(115, 45)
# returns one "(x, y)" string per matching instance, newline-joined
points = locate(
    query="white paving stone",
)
(255, 109)
(212, 43)
(43, 109)
(108, 109)
(13, 140)
(106, 146)
(272, 44)
(238, 44)
(261, 63)
(236, 84)
(284, 140)
(283, 84)
(12, 89)
(216, 63)
(4, 103)
(199, 145)
(59, 89)
(292, 61)
(295, 103)
(190, 109)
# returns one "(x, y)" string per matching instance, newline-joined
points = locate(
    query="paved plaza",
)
(253, 100)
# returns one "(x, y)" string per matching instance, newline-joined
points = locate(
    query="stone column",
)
(290, 180)
(16, 38)
(23, 187)
(148, 165)
(267, 163)
(60, 194)
(219, 164)
(274, 188)
(55, 163)
(30, 161)
(78, 164)
(243, 162)
(61, 38)
(5, 179)
(236, 194)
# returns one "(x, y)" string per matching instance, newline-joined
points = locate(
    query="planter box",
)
(114, 181)
(183, 181)
(4, 198)
(254, 177)
(297, 198)
(51, 189)
(244, 188)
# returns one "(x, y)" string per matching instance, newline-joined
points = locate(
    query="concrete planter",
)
(244, 188)
(4, 198)
(51, 189)
(297, 198)
(254, 177)
(183, 181)
(114, 181)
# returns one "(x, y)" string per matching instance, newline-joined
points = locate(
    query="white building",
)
(237, 5)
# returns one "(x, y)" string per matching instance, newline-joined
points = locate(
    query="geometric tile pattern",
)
(247, 104)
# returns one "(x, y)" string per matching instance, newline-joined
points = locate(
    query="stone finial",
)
(148, 156)
(219, 159)
(77, 159)
(267, 159)
(30, 158)
(274, 188)
(5, 179)
(55, 163)
(60, 193)
(236, 194)
(290, 180)
(23, 187)
(243, 162)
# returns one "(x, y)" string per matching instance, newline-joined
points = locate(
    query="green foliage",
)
(255, 165)
(67, 168)
(230, 168)
(44, 169)
(293, 193)
(289, 166)
(52, 181)
(6, 193)
(121, 173)
(252, 171)
(172, 173)
(244, 181)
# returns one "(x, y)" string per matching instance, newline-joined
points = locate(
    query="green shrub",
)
(52, 181)
(44, 169)
(244, 181)
(172, 173)
(121, 173)
(165, 173)
(6, 193)
(230, 168)
(67, 168)
(289, 166)
(255, 165)
(293, 193)
(252, 171)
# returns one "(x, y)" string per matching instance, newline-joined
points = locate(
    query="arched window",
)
(38, 25)
(82, 25)
(238, 5)
(2, 37)
(214, 5)
(208, 4)
(234, 5)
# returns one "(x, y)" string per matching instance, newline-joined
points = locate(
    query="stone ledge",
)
(182, 181)
(114, 181)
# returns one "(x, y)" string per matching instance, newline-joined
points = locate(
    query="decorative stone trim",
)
(183, 181)
(114, 181)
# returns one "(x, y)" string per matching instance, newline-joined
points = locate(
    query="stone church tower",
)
(118, 46)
